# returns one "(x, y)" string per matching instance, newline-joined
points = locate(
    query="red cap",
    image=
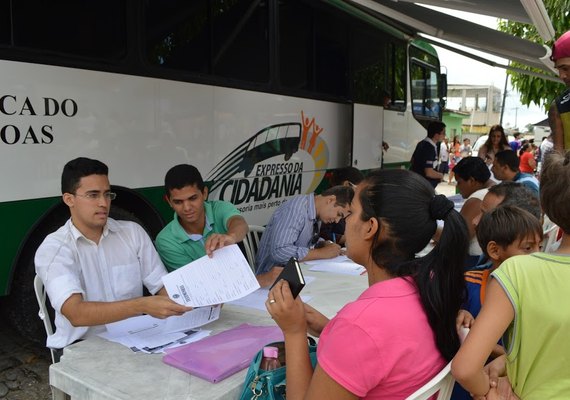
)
(561, 47)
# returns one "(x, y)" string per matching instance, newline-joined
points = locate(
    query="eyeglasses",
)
(96, 195)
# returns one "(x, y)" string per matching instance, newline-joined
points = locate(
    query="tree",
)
(533, 89)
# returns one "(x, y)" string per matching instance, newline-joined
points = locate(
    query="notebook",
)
(292, 273)
(219, 356)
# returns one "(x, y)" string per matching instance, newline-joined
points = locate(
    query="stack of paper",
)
(152, 335)
(337, 265)
(203, 284)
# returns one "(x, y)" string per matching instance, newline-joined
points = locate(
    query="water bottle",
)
(270, 360)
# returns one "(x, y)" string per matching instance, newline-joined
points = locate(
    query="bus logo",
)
(267, 143)
(267, 178)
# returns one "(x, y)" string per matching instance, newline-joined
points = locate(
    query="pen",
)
(334, 237)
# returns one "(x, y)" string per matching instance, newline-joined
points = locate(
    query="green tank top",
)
(563, 106)
(538, 351)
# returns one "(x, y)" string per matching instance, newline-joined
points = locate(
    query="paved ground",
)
(23, 367)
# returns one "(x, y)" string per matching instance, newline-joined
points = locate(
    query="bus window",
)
(5, 23)
(313, 48)
(295, 50)
(94, 29)
(240, 40)
(397, 76)
(220, 38)
(425, 99)
(331, 54)
(369, 67)
(378, 69)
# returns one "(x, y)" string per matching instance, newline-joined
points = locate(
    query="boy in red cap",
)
(559, 113)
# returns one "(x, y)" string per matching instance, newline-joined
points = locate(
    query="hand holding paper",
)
(212, 280)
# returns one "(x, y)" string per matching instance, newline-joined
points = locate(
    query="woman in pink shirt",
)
(401, 331)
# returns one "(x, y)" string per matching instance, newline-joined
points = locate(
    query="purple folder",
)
(219, 356)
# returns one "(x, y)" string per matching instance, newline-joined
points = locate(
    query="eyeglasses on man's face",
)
(97, 195)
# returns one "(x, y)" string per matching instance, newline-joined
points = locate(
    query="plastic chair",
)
(41, 297)
(251, 243)
(551, 242)
(442, 383)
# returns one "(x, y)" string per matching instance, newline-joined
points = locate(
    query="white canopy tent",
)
(447, 31)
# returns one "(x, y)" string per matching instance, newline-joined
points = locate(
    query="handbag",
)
(270, 385)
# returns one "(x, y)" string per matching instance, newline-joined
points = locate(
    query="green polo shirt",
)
(175, 246)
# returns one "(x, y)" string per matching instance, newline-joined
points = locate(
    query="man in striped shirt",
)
(293, 231)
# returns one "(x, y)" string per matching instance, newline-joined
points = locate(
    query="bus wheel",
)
(21, 307)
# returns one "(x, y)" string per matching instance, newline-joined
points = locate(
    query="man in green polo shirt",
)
(199, 226)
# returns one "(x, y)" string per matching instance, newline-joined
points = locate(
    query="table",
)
(97, 369)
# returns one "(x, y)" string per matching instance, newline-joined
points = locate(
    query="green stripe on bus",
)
(397, 165)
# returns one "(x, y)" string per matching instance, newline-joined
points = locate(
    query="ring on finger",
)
(271, 301)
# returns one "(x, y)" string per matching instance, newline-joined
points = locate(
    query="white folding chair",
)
(41, 297)
(550, 243)
(442, 383)
(251, 243)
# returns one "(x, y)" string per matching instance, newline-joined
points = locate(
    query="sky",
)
(464, 70)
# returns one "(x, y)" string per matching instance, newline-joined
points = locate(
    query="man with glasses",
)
(94, 267)
(293, 231)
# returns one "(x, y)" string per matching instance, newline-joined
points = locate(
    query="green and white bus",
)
(263, 96)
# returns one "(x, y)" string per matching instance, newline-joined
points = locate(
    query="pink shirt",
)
(381, 346)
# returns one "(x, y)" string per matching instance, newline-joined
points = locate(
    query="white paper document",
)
(207, 281)
(152, 335)
(337, 265)
(341, 258)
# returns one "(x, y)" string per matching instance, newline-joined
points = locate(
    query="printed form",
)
(207, 281)
(152, 335)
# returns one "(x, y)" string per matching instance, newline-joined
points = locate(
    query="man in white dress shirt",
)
(94, 267)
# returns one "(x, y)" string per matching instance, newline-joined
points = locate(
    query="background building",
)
(480, 103)
(453, 121)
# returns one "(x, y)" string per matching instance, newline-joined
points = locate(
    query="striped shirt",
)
(288, 233)
(476, 284)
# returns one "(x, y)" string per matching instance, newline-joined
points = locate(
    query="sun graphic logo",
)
(313, 144)
(269, 169)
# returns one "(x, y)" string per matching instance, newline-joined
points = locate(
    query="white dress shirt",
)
(114, 269)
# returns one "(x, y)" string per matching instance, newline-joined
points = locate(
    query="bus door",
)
(367, 136)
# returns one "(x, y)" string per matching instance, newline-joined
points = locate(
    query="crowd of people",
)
(485, 270)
